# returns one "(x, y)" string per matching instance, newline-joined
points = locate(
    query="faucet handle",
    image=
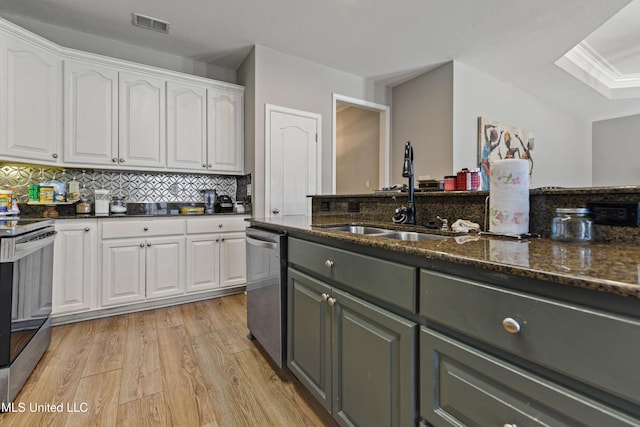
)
(445, 224)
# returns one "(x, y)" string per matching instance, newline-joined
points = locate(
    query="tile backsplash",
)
(143, 187)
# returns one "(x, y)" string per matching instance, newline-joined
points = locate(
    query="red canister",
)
(450, 183)
(461, 180)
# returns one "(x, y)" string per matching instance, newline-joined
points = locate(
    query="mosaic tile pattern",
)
(134, 186)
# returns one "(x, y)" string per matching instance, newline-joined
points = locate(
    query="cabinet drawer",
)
(141, 228)
(385, 280)
(593, 347)
(216, 224)
(462, 386)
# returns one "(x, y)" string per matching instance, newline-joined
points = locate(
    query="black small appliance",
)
(224, 204)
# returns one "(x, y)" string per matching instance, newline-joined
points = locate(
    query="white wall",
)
(292, 82)
(113, 48)
(357, 150)
(616, 151)
(562, 154)
(422, 113)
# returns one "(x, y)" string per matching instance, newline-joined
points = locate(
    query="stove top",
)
(10, 227)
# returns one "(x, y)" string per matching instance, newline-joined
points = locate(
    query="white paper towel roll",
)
(509, 197)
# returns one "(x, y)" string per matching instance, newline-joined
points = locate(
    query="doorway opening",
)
(361, 145)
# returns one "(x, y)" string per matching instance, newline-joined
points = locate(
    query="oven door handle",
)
(25, 248)
(261, 243)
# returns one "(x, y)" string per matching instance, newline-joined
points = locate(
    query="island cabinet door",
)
(463, 386)
(373, 364)
(309, 334)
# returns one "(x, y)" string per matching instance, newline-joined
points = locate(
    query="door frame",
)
(269, 108)
(385, 136)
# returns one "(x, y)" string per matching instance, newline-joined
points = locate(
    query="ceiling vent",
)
(150, 23)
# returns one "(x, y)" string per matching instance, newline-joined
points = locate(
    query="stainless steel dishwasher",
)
(267, 291)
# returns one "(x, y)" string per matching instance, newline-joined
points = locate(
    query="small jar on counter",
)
(83, 206)
(571, 225)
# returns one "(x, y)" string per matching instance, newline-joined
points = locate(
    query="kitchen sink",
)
(359, 229)
(412, 236)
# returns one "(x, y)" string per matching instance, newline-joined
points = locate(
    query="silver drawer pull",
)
(331, 301)
(324, 297)
(513, 327)
(510, 425)
(328, 263)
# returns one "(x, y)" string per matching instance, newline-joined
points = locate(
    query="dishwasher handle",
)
(261, 243)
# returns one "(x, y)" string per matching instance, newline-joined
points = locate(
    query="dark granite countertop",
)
(606, 268)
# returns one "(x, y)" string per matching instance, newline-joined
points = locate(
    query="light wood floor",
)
(188, 365)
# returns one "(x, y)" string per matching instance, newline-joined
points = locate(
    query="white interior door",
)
(292, 160)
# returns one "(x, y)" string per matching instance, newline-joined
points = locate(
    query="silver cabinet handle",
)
(217, 240)
(146, 229)
(222, 239)
(328, 264)
(276, 211)
(148, 244)
(210, 165)
(204, 165)
(511, 325)
(142, 245)
(324, 297)
(219, 225)
(510, 425)
(114, 160)
(87, 229)
(54, 155)
(331, 301)
(121, 159)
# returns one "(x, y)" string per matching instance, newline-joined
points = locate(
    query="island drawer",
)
(460, 385)
(385, 280)
(596, 348)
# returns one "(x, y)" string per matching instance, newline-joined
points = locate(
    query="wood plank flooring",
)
(189, 365)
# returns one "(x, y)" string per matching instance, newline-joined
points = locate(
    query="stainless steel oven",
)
(267, 290)
(26, 276)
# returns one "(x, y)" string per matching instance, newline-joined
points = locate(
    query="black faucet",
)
(407, 172)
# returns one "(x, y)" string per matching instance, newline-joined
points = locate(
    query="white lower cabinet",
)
(215, 260)
(74, 266)
(142, 260)
(123, 271)
(106, 264)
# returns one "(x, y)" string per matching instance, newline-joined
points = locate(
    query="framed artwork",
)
(497, 141)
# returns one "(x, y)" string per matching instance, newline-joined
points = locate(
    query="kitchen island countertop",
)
(607, 268)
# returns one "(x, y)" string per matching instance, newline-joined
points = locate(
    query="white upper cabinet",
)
(90, 113)
(225, 145)
(186, 126)
(142, 129)
(29, 98)
(116, 114)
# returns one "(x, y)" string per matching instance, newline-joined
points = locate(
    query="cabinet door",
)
(203, 255)
(309, 335)
(29, 97)
(225, 138)
(186, 126)
(142, 133)
(90, 113)
(373, 364)
(123, 271)
(462, 386)
(233, 259)
(74, 267)
(165, 266)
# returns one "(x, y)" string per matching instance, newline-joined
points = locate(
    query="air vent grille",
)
(150, 23)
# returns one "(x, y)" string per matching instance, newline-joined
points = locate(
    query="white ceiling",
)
(515, 41)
